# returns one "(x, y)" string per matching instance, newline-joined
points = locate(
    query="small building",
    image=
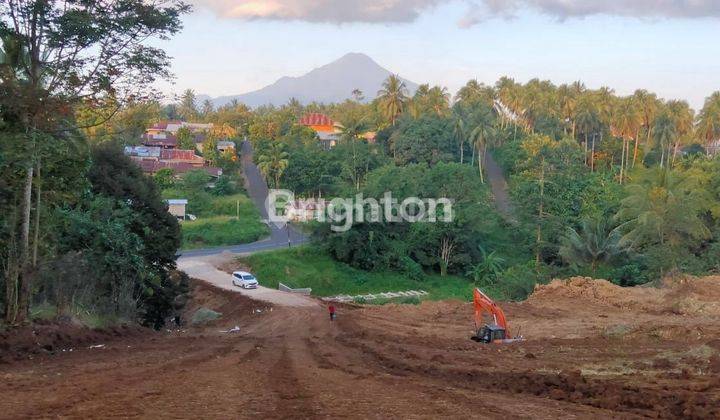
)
(176, 207)
(178, 168)
(224, 145)
(144, 152)
(174, 126)
(305, 210)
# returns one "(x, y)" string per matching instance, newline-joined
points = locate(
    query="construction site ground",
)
(592, 350)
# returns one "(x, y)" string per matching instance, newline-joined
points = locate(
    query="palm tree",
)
(188, 105)
(392, 97)
(459, 135)
(469, 92)
(626, 122)
(663, 208)
(273, 162)
(479, 138)
(357, 94)
(488, 270)
(351, 131)
(709, 120)
(594, 243)
(207, 108)
(568, 103)
(665, 134)
(438, 99)
(683, 118)
(649, 105)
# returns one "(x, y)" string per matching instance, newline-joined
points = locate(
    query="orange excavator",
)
(497, 331)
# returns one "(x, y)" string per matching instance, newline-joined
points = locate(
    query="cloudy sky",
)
(667, 46)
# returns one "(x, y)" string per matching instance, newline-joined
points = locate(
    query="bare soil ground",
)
(592, 351)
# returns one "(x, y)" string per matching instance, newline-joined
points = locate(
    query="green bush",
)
(204, 315)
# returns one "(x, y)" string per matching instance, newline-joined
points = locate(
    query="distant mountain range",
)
(330, 83)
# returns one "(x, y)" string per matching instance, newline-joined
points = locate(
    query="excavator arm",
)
(484, 304)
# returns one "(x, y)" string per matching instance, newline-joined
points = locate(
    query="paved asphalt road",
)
(258, 192)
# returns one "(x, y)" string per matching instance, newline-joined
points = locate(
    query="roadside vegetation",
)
(81, 227)
(310, 266)
(224, 213)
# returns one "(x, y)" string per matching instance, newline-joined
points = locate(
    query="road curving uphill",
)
(205, 269)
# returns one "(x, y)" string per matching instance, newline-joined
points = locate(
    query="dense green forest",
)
(615, 187)
(619, 187)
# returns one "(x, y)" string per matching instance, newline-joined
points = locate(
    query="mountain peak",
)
(331, 83)
(356, 57)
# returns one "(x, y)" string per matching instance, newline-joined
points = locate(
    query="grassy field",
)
(217, 224)
(221, 230)
(310, 267)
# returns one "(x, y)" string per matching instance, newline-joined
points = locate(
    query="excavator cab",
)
(497, 330)
(489, 334)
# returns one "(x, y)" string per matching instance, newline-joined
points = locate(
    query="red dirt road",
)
(585, 357)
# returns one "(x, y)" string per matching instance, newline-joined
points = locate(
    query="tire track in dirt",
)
(292, 400)
(565, 386)
(100, 386)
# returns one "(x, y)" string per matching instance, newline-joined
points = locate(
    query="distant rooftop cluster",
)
(159, 149)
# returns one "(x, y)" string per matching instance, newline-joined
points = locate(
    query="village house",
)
(327, 130)
(153, 159)
(305, 210)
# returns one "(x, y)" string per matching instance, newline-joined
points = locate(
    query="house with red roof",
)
(328, 131)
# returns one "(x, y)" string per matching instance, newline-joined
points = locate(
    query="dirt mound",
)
(50, 337)
(233, 306)
(585, 290)
(692, 295)
(682, 296)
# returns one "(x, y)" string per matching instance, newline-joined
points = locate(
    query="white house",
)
(305, 210)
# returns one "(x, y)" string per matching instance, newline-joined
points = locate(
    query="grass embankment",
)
(217, 225)
(309, 266)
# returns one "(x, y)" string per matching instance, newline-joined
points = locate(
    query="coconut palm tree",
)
(479, 138)
(594, 243)
(273, 162)
(459, 135)
(665, 135)
(392, 97)
(627, 121)
(438, 99)
(683, 118)
(708, 127)
(568, 105)
(588, 123)
(663, 208)
(649, 105)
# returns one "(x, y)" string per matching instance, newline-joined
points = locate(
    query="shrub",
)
(204, 315)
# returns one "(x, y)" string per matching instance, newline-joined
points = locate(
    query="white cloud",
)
(342, 11)
(564, 9)
(389, 11)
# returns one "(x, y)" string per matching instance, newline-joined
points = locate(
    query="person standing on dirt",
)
(331, 309)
